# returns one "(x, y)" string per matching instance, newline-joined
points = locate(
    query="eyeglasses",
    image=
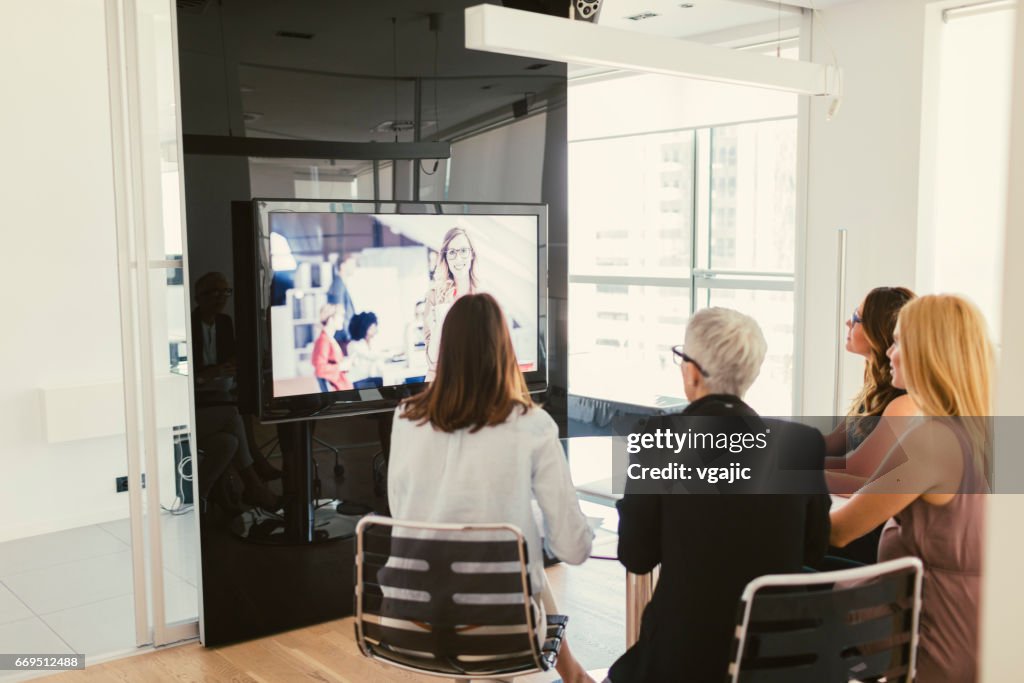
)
(224, 291)
(855, 318)
(679, 357)
(463, 252)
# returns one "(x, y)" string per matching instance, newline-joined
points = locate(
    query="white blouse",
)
(490, 476)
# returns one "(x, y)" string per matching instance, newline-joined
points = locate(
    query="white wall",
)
(863, 176)
(1004, 557)
(966, 110)
(58, 284)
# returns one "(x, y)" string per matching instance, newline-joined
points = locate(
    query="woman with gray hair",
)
(731, 348)
(710, 546)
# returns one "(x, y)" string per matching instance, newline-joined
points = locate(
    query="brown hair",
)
(478, 382)
(878, 320)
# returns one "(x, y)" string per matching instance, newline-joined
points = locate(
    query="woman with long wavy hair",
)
(928, 483)
(858, 445)
(473, 447)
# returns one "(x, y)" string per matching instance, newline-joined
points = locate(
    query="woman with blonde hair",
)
(473, 447)
(454, 277)
(943, 358)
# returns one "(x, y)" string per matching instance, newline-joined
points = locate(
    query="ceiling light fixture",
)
(492, 28)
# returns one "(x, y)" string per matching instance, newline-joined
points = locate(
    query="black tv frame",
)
(253, 277)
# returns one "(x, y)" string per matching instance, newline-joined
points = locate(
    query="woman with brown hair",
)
(856, 448)
(943, 358)
(454, 277)
(473, 447)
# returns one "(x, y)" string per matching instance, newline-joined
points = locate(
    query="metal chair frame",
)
(865, 573)
(528, 616)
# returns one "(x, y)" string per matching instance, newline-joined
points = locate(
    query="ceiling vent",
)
(642, 16)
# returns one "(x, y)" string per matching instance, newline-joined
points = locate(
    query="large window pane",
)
(753, 196)
(631, 205)
(772, 393)
(625, 332)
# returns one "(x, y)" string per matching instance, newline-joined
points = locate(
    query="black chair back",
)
(850, 625)
(451, 600)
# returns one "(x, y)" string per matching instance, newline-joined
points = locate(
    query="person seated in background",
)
(367, 361)
(415, 336)
(710, 544)
(329, 363)
(213, 337)
(224, 436)
(941, 355)
(474, 447)
(855, 449)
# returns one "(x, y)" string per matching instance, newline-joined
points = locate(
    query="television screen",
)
(354, 294)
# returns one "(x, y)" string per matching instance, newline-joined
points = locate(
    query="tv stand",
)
(304, 519)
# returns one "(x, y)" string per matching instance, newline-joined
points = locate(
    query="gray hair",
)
(729, 346)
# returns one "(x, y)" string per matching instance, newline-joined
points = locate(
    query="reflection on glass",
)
(319, 179)
(631, 205)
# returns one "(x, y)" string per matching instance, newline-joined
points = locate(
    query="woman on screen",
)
(929, 482)
(367, 360)
(473, 447)
(454, 277)
(329, 363)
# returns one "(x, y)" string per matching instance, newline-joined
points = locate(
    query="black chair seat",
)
(450, 600)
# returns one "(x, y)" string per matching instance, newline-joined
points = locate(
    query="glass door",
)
(153, 285)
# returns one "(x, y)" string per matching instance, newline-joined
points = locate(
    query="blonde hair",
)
(948, 362)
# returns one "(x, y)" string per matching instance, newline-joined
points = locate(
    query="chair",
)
(853, 624)
(449, 600)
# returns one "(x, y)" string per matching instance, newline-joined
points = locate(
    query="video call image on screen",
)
(358, 299)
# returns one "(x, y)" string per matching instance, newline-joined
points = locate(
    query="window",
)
(702, 216)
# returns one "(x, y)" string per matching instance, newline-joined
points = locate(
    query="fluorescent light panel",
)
(492, 28)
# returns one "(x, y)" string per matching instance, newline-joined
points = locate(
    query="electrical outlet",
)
(121, 483)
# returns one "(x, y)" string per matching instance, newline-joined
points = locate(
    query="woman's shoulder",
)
(534, 420)
(901, 406)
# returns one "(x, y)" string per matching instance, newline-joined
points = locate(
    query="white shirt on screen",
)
(490, 476)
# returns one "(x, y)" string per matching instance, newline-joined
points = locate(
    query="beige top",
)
(948, 540)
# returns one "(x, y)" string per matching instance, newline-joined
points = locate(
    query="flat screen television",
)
(344, 300)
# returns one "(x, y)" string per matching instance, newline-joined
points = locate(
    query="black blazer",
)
(225, 333)
(709, 547)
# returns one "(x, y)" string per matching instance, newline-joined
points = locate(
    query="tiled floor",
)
(71, 591)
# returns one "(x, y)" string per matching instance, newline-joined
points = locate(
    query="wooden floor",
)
(593, 595)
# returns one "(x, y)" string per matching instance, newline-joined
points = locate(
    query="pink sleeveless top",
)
(948, 540)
